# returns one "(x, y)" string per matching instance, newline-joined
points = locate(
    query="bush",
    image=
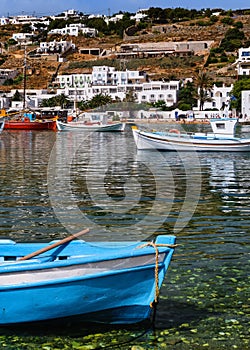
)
(238, 25)
(227, 20)
(184, 106)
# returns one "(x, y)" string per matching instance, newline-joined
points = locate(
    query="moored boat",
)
(221, 139)
(82, 126)
(90, 121)
(107, 282)
(29, 121)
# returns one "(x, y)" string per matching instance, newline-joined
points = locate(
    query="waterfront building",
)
(245, 104)
(117, 84)
(219, 98)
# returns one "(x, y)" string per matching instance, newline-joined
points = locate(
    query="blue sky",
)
(44, 7)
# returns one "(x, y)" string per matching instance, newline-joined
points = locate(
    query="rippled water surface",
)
(56, 183)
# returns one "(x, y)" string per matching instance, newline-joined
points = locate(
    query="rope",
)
(157, 289)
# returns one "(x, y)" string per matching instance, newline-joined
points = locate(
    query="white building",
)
(23, 38)
(108, 81)
(139, 15)
(51, 47)
(6, 74)
(245, 104)
(220, 98)
(243, 62)
(74, 30)
(101, 75)
(116, 18)
(71, 13)
(33, 98)
(4, 21)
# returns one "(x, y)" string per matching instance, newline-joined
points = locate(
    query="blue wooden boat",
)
(105, 282)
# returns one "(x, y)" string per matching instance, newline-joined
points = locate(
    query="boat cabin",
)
(223, 126)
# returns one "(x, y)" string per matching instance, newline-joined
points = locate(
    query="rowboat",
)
(2, 122)
(30, 125)
(82, 126)
(220, 139)
(105, 282)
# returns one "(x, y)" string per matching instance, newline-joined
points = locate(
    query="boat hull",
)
(2, 123)
(76, 126)
(114, 286)
(165, 142)
(30, 125)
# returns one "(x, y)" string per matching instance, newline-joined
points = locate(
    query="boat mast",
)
(24, 79)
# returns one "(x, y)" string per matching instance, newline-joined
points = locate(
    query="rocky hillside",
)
(40, 72)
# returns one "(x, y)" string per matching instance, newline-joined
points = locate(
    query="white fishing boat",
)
(222, 138)
(80, 126)
(91, 122)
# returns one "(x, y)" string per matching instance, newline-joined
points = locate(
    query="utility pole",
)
(24, 79)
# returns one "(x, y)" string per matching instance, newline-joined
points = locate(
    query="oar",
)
(54, 245)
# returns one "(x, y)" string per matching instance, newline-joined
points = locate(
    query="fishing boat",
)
(81, 126)
(2, 122)
(105, 282)
(90, 122)
(222, 138)
(30, 121)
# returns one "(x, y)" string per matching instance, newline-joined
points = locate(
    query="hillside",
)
(40, 72)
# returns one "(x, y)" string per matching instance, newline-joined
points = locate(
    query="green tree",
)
(187, 96)
(227, 20)
(160, 104)
(232, 40)
(97, 101)
(17, 96)
(238, 24)
(204, 85)
(26, 28)
(58, 100)
(99, 24)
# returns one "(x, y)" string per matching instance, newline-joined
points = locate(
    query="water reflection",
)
(129, 194)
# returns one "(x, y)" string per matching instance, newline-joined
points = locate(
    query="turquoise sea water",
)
(56, 183)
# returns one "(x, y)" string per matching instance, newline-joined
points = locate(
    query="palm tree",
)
(204, 85)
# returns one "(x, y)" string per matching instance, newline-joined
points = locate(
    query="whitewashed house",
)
(6, 74)
(74, 30)
(245, 104)
(243, 62)
(117, 84)
(4, 21)
(139, 15)
(51, 47)
(24, 38)
(33, 98)
(220, 98)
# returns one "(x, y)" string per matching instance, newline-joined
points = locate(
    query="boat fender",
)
(26, 119)
(175, 131)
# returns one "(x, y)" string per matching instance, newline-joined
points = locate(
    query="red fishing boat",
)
(30, 121)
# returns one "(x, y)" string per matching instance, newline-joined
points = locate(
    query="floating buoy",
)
(175, 131)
